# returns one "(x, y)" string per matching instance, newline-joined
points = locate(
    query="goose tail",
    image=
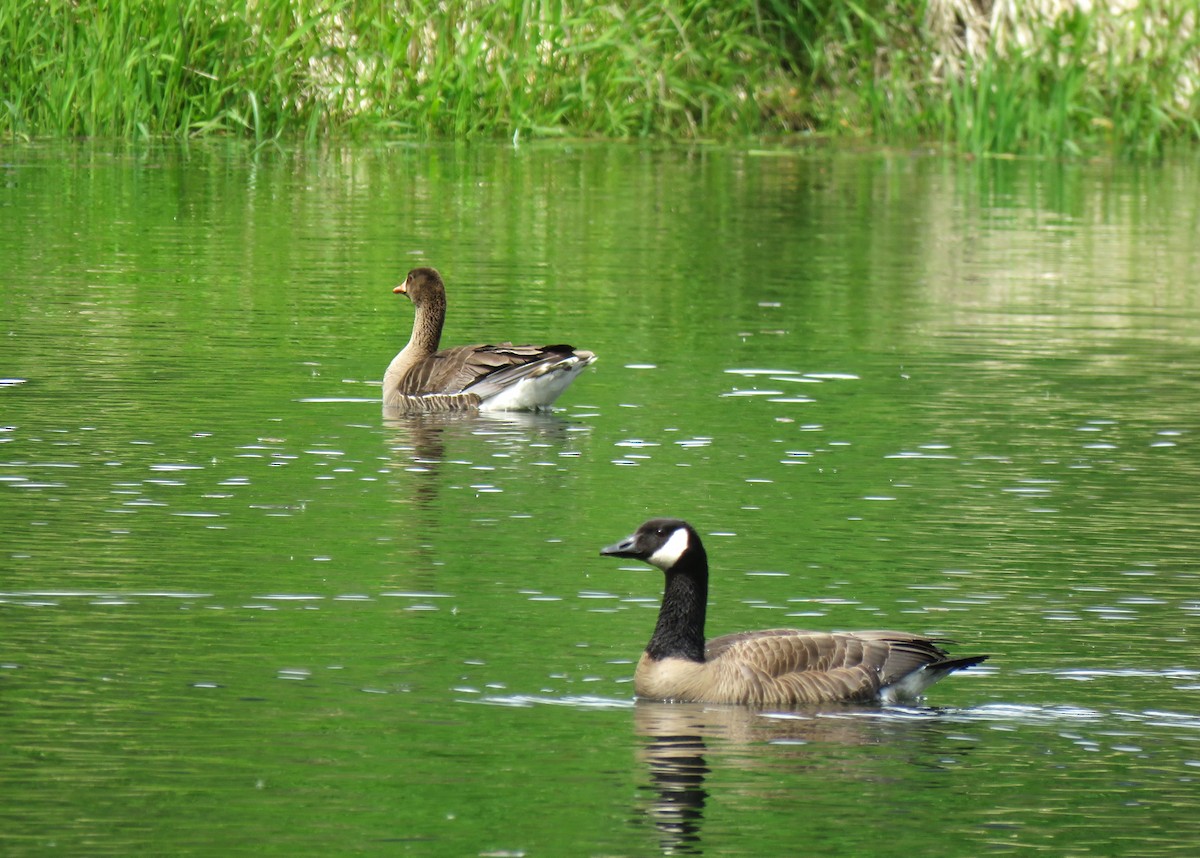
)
(912, 685)
(534, 386)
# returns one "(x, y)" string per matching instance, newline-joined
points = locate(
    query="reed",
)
(192, 67)
(1054, 78)
(1044, 76)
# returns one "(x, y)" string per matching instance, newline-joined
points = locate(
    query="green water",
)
(243, 612)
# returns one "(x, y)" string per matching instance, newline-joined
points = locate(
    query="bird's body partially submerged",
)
(769, 667)
(501, 377)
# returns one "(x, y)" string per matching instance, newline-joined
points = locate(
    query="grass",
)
(1083, 81)
(1050, 79)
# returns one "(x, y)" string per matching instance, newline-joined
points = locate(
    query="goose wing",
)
(461, 368)
(778, 666)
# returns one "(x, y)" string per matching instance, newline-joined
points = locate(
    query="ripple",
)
(334, 399)
(753, 372)
(918, 454)
(526, 701)
(415, 594)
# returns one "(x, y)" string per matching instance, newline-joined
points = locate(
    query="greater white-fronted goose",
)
(771, 667)
(499, 377)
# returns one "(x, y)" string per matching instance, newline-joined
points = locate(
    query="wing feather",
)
(793, 666)
(461, 368)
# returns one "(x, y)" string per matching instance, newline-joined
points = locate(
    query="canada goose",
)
(499, 377)
(770, 667)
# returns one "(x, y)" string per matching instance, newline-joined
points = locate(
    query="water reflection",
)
(488, 441)
(423, 432)
(682, 744)
(673, 750)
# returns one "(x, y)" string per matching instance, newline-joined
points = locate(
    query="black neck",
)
(680, 629)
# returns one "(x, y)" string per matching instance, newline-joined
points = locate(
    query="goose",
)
(772, 667)
(499, 377)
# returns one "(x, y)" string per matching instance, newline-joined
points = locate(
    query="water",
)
(242, 611)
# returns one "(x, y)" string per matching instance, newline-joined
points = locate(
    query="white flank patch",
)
(909, 687)
(537, 391)
(672, 550)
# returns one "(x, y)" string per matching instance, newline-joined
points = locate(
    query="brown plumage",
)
(770, 667)
(499, 377)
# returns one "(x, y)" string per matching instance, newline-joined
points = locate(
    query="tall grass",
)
(1048, 78)
(194, 67)
(1122, 76)
(1003, 106)
(172, 67)
(1054, 77)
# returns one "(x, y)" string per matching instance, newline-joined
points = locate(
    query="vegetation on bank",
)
(986, 76)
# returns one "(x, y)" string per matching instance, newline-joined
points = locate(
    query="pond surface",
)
(244, 612)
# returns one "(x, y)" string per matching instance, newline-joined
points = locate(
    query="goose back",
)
(483, 369)
(793, 666)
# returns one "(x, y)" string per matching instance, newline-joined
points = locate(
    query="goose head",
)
(422, 285)
(667, 543)
(674, 547)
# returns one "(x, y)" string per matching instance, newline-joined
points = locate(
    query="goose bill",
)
(625, 548)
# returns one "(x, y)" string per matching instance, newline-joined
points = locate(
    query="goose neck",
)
(428, 319)
(430, 314)
(679, 632)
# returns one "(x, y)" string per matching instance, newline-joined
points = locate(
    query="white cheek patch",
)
(672, 550)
